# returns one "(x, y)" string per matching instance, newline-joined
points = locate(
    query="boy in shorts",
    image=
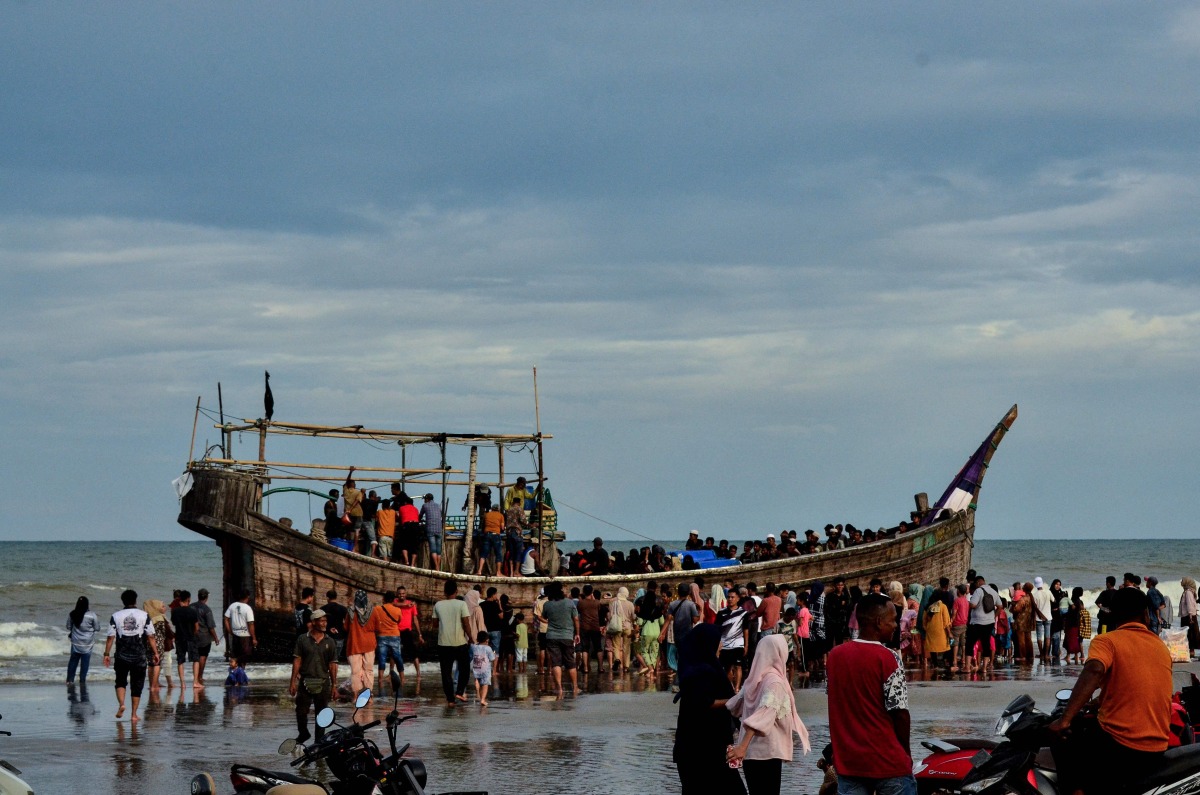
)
(482, 658)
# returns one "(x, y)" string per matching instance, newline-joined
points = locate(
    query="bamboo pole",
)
(444, 506)
(224, 430)
(382, 481)
(537, 503)
(333, 467)
(469, 530)
(195, 423)
(358, 431)
(262, 441)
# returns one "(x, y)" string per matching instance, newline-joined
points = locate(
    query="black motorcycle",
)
(1024, 765)
(355, 760)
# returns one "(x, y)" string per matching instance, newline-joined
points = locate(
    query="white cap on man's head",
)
(770, 536)
(694, 533)
(1038, 582)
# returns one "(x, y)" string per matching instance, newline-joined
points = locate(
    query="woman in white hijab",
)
(621, 612)
(767, 710)
(717, 600)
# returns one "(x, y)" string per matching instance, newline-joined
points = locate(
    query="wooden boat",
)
(275, 561)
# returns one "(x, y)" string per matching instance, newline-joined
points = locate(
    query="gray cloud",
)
(780, 264)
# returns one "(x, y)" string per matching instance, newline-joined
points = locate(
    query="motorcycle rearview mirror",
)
(203, 784)
(287, 746)
(1018, 704)
(395, 677)
(363, 699)
(1064, 694)
(325, 718)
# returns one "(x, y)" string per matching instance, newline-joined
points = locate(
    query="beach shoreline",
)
(590, 743)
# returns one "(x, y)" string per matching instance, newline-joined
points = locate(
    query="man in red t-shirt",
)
(868, 707)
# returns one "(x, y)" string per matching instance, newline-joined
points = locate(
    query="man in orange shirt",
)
(1132, 668)
(385, 528)
(491, 539)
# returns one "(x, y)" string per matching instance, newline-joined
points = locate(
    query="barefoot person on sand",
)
(129, 628)
(562, 636)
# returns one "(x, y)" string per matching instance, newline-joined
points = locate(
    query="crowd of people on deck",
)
(791, 545)
(395, 529)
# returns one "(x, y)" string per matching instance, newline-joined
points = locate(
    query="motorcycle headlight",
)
(980, 786)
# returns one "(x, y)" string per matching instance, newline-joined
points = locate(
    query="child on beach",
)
(237, 674)
(789, 629)
(482, 657)
(522, 643)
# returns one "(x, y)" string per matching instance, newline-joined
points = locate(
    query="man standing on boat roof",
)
(353, 499)
(431, 515)
(517, 494)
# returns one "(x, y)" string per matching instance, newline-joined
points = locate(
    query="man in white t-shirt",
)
(983, 621)
(1041, 617)
(239, 629)
(128, 629)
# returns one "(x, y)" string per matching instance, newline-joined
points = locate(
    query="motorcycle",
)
(948, 763)
(355, 760)
(10, 777)
(1024, 765)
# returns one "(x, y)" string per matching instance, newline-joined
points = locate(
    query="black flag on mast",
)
(269, 399)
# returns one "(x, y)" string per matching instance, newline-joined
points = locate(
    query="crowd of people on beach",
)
(739, 644)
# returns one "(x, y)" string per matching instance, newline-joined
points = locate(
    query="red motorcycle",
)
(948, 763)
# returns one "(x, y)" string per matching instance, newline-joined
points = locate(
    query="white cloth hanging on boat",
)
(183, 484)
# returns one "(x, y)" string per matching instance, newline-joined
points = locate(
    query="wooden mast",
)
(537, 503)
(195, 422)
(469, 529)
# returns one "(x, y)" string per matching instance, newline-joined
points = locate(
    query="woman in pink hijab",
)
(767, 710)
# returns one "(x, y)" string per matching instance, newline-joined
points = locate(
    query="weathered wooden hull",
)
(275, 562)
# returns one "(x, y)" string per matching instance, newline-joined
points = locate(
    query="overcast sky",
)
(777, 264)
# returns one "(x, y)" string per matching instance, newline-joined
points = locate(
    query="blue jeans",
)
(494, 641)
(1042, 630)
(1056, 644)
(82, 661)
(388, 646)
(492, 547)
(900, 785)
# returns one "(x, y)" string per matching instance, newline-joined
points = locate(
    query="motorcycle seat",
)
(282, 775)
(297, 789)
(970, 743)
(1177, 763)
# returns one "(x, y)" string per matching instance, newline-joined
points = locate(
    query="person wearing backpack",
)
(984, 601)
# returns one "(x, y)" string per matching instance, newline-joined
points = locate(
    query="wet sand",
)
(614, 738)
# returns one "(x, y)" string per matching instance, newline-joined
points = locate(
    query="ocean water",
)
(40, 582)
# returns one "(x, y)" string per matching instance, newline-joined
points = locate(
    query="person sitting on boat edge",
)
(598, 557)
(693, 541)
(517, 495)
(530, 563)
